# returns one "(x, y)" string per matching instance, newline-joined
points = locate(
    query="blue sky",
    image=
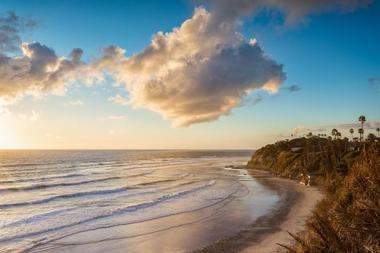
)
(330, 56)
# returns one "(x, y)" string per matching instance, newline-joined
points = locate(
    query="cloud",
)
(118, 99)
(33, 116)
(294, 10)
(36, 72)
(257, 99)
(51, 135)
(253, 100)
(196, 73)
(35, 69)
(298, 129)
(301, 129)
(75, 103)
(292, 88)
(117, 117)
(205, 68)
(374, 81)
(10, 28)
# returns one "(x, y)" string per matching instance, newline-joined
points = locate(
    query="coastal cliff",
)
(348, 218)
(318, 159)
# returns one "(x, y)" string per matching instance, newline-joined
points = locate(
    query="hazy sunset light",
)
(189, 126)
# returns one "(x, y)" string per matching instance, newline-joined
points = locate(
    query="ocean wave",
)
(37, 218)
(44, 186)
(218, 201)
(63, 196)
(93, 193)
(12, 165)
(162, 180)
(40, 179)
(70, 175)
(112, 213)
(81, 194)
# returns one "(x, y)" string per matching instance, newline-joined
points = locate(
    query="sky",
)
(185, 74)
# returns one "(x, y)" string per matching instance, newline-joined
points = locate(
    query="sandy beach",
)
(264, 236)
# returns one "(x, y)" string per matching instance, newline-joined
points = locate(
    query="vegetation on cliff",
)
(348, 219)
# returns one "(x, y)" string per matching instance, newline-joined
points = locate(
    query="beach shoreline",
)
(267, 232)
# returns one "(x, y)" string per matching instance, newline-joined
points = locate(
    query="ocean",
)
(125, 200)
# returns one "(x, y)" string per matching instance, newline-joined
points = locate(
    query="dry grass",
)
(349, 220)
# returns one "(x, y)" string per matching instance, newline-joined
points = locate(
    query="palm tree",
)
(362, 120)
(352, 133)
(334, 133)
(371, 137)
(361, 133)
(338, 135)
(378, 131)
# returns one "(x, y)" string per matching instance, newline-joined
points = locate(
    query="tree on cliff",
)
(352, 133)
(362, 119)
(361, 133)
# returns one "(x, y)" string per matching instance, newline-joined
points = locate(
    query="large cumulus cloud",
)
(31, 68)
(205, 68)
(197, 72)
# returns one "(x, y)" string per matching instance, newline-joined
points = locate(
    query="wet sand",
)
(264, 236)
